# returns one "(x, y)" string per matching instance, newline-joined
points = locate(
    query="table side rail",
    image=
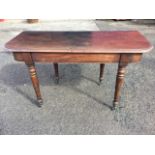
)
(80, 57)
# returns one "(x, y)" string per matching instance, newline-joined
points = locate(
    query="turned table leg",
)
(101, 72)
(35, 82)
(33, 74)
(56, 72)
(119, 84)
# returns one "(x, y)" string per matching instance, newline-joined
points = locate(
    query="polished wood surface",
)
(80, 42)
(122, 47)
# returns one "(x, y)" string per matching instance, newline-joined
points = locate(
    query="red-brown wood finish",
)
(33, 74)
(80, 42)
(80, 58)
(119, 83)
(122, 47)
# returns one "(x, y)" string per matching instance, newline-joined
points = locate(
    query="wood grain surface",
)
(80, 42)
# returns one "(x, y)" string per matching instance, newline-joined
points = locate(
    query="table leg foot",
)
(40, 102)
(115, 106)
(100, 81)
(57, 80)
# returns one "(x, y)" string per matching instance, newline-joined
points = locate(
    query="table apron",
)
(80, 57)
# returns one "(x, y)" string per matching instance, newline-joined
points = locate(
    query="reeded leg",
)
(101, 72)
(35, 82)
(119, 84)
(56, 72)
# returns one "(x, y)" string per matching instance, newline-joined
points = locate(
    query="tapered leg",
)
(101, 72)
(56, 72)
(119, 84)
(35, 82)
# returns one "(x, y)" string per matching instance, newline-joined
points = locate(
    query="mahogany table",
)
(122, 47)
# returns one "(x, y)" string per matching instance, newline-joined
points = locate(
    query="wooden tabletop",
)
(79, 42)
